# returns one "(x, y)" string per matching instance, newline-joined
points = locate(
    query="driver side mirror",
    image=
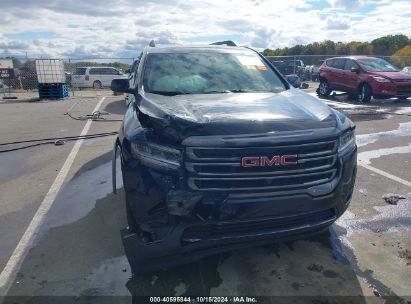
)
(355, 70)
(121, 86)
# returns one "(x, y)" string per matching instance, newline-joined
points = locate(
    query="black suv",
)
(219, 151)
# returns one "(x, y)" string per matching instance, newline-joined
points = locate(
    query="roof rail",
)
(226, 42)
(152, 43)
(250, 48)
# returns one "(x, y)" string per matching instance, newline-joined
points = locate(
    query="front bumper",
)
(392, 89)
(262, 221)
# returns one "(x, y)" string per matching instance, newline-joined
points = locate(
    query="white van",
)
(95, 77)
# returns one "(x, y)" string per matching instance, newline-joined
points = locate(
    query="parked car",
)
(24, 78)
(315, 72)
(363, 77)
(95, 77)
(287, 67)
(220, 151)
(294, 80)
(407, 69)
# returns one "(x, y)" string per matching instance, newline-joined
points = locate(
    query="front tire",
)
(324, 88)
(97, 85)
(365, 93)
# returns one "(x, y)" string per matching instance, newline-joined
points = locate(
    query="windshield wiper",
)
(251, 91)
(216, 92)
(167, 93)
(242, 91)
(228, 91)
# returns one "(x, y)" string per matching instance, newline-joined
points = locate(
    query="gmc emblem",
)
(264, 161)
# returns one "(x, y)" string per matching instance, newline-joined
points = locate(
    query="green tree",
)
(341, 49)
(388, 45)
(328, 47)
(268, 52)
(359, 48)
(385, 46)
(402, 57)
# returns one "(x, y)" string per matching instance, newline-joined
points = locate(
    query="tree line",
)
(391, 46)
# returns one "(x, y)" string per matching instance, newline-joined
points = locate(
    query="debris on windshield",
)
(392, 198)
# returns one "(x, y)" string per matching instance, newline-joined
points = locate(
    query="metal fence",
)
(306, 66)
(79, 73)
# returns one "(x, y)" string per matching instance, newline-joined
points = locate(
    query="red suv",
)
(363, 77)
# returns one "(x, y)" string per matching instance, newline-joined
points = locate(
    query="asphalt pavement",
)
(75, 250)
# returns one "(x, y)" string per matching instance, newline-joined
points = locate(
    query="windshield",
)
(376, 65)
(208, 72)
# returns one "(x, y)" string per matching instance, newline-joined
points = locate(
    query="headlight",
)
(346, 141)
(381, 79)
(156, 155)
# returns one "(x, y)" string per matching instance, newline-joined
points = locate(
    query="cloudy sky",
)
(121, 28)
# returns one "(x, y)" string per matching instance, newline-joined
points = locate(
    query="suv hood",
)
(237, 113)
(393, 75)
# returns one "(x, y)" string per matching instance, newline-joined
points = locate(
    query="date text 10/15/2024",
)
(187, 299)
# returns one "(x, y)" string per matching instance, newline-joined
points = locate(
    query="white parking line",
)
(386, 174)
(14, 263)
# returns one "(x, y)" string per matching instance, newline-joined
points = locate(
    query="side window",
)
(95, 71)
(114, 71)
(349, 64)
(330, 63)
(339, 64)
(79, 71)
(336, 63)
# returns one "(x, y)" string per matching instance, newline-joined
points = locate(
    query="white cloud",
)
(348, 4)
(338, 22)
(121, 28)
(13, 44)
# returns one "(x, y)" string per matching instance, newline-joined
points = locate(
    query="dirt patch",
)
(330, 274)
(406, 255)
(315, 267)
(364, 116)
(392, 199)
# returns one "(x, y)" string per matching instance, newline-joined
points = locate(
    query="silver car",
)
(95, 77)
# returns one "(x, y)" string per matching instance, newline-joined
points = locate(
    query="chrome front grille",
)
(219, 169)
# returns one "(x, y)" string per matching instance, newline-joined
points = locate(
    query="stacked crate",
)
(51, 78)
